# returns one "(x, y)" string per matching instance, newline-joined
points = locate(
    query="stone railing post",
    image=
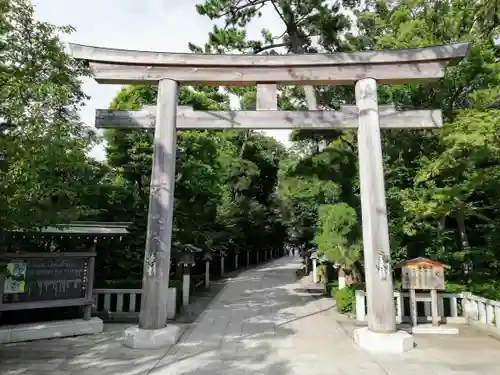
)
(314, 258)
(497, 317)
(360, 306)
(399, 307)
(454, 307)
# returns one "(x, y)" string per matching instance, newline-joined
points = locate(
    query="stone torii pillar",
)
(377, 255)
(381, 330)
(153, 330)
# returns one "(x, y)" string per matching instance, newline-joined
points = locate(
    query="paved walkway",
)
(263, 322)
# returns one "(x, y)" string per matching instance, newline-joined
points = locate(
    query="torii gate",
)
(364, 69)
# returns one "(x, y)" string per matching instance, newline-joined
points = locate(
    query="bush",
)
(454, 287)
(487, 289)
(398, 286)
(345, 299)
(330, 286)
(320, 272)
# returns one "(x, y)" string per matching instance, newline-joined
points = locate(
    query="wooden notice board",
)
(423, 274)
(38, 280)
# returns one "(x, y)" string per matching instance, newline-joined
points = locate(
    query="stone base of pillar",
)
(391, 343)
(137, 338)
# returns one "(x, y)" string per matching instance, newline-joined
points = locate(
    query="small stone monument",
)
(223, 255)
(425, 275)
(207, 258)
(236, 259)
(187, 261)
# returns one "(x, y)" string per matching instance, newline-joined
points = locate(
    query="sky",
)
(155, 25)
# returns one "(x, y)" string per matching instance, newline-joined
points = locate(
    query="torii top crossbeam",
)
(118, 66)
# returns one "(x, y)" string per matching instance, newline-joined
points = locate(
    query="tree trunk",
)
(462, 231)
(441, 227)
(468, 266)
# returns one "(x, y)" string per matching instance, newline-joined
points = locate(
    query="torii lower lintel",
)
(346, 118)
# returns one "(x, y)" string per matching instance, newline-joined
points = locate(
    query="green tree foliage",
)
(433, 179)
(45, 175)
(225, 181)
(337, 237)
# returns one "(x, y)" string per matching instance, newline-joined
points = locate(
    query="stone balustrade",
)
(452, 308)
(118, 304)
(479, 310)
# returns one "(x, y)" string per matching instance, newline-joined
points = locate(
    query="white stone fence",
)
(118, 304)
(452, 308)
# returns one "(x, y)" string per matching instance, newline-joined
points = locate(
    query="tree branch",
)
(236, 8)
(279, 13)
(348, 143)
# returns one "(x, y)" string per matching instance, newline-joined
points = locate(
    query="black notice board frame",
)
(86, 301)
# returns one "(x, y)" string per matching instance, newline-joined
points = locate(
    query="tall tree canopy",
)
(225, 181)
(45, 174)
